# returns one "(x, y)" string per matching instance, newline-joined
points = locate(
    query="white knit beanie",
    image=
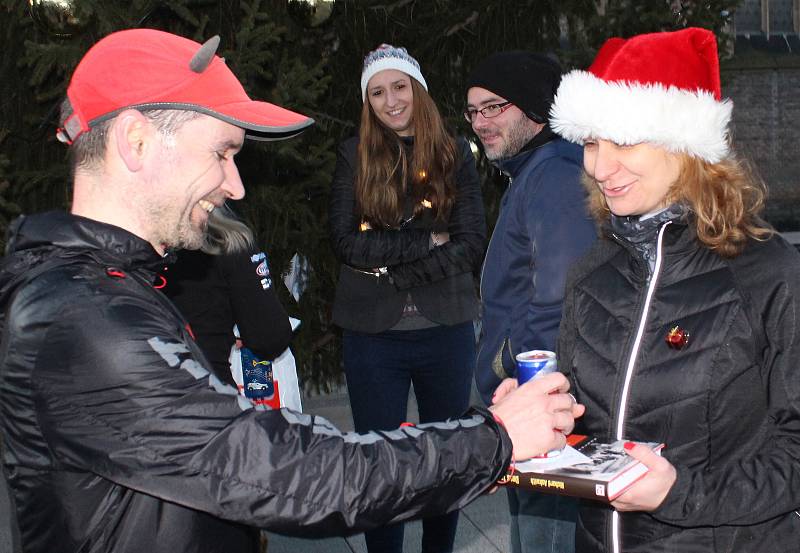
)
(385, 57)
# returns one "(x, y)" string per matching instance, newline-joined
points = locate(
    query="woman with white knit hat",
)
(682, 324)
(407, 224)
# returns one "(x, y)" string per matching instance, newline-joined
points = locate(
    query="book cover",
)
(604, 473)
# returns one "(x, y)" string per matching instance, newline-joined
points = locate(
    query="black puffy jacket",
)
(727, 405)
(117, 438)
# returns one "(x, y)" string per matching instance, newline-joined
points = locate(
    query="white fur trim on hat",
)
(390, 62)
(627, 112)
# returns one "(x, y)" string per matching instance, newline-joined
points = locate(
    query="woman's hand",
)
(649, 492)
(506, 386)
(440, 238)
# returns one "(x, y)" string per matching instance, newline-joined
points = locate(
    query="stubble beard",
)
(189, 236)
(519, 133)
(173, 228)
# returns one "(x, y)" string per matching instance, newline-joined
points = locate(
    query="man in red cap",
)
(116, 436)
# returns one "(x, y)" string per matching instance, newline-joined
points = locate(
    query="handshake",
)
(537, 415)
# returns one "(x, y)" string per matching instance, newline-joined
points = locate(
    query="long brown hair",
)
(385, 174)
(725, 199)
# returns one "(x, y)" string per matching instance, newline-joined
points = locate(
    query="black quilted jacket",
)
(440, 280)
(117, 438)
(727, 405)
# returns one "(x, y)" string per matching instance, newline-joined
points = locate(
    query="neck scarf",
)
(642, 231)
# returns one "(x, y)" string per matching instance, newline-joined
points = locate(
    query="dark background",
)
(307, 55)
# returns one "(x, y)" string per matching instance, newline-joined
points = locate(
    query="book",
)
(595, 469)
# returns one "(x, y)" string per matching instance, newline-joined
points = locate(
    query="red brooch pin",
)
(677, 338)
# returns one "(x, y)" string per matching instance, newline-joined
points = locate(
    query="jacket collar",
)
(75, 235)
(680, 237)
(513, 165)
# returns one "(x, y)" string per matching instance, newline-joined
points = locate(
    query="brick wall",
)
(766, 126)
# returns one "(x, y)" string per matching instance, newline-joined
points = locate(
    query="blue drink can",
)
(531, 364)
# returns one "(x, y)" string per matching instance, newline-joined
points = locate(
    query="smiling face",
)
(635, 180)
(392, 100)
(192, 173)
(502, 136)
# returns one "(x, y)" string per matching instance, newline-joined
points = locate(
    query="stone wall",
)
(766, 126)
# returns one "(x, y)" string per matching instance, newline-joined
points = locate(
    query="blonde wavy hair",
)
(226, 233)
(725, 199)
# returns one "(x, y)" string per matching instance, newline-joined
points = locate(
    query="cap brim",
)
(261, 120)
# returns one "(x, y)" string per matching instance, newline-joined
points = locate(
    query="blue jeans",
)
(439, 361)
(542, 523)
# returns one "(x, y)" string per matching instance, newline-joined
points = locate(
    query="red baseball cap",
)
(146, 68)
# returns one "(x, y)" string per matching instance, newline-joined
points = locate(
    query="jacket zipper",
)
(623, 403)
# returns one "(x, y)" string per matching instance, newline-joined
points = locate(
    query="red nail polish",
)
(628, 446)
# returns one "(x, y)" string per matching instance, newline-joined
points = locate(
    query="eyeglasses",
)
(488, 112)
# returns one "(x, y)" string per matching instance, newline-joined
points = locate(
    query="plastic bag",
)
(272, 383)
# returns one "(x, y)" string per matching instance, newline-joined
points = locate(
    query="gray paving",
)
(482, 526)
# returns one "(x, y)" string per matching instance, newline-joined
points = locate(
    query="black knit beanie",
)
(526, 79)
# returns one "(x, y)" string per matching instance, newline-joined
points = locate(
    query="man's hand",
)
(537, 415)
(649, 492)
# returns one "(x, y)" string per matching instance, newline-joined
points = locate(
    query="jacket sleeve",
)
(559, 232)
(123, 396)
(565, 346)
(467, 228)
(372, 248)
(758, 483)
(262, 321)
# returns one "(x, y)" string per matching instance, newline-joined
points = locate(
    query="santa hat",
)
(662, 88)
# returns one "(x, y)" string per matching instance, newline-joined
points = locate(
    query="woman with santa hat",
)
(682, 324)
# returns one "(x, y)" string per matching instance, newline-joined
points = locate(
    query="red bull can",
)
(531, 364)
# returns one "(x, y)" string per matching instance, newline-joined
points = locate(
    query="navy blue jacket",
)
(543, 226)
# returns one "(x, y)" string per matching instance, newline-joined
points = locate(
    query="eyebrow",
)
(230, 145)
(401, 80)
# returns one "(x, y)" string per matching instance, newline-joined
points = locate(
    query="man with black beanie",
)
(542, 227)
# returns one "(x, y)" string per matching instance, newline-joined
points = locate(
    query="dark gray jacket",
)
(727, 405)
(440, 279)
